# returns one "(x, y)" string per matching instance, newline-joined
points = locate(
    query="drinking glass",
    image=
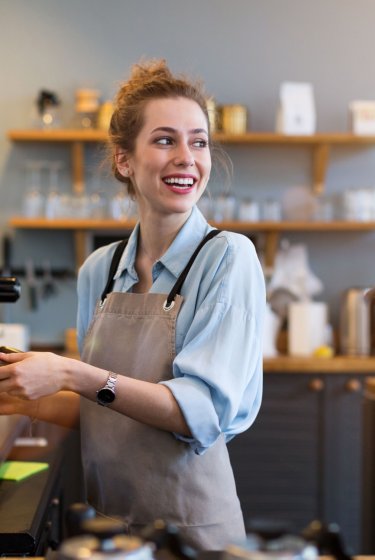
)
(33, 202)
(53, 199)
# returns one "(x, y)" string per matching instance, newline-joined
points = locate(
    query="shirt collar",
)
(175, 258)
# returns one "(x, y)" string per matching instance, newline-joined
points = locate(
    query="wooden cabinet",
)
(76, 140)
(304, 458)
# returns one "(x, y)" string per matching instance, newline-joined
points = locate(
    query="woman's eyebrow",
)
(173, 130)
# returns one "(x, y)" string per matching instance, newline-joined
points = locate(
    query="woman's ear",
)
(122, 163)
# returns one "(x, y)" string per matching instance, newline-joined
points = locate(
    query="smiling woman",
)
(170, 332)
(170, 166)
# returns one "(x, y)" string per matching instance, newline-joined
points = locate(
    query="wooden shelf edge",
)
(96, 135)
(275, 138)
(69, 224)
(337, 364)
(57, 135)
(237, 226)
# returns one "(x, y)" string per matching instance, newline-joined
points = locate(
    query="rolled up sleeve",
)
(218, 375)
(218, 370)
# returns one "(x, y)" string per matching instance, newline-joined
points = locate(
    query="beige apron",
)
(142, 473)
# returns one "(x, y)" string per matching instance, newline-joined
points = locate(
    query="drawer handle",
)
(353, 386)
(316, 385)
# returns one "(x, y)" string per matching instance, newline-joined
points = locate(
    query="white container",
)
(272, 324)
(15, 335)
(307, 330)
(362, 115)
(248, 211)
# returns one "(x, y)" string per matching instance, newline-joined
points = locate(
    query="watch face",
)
(105, 396)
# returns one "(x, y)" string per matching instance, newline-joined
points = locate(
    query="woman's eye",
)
(200, 143)
(164, 141)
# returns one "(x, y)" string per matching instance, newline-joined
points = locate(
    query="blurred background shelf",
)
(320, 143)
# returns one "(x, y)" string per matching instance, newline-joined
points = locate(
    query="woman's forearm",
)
(150, 403)
(50, 386)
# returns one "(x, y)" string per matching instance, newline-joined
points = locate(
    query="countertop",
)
(336, 364)
(10, 428)
(292, 364)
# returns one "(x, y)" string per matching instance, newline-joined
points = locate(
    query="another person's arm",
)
(61, 408)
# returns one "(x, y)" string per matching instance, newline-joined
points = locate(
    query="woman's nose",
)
(184, 156)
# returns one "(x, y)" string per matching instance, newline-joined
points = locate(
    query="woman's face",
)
(171, 163)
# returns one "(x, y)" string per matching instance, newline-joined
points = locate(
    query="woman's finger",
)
(13, 357)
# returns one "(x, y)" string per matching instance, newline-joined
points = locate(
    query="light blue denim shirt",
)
(217, 372)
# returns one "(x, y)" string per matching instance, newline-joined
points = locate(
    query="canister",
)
(105, 115)
(234, 119)
(357, 321)
(212, 114)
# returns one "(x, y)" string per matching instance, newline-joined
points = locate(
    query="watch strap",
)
(111, 381)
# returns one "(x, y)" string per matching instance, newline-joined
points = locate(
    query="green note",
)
(18, 470)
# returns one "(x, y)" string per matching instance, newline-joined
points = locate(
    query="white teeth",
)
(179, 181)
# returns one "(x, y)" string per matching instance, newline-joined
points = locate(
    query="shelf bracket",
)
(78, 167)
(80, 243)
(320, 164)
(272, 243)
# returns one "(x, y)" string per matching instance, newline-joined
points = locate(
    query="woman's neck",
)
(156, 235)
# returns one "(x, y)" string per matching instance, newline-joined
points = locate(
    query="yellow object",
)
(234, 119)
(71, 343)
(18, 470)
(323, 352)
(105, 115)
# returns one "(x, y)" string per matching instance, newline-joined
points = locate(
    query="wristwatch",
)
(106, 395)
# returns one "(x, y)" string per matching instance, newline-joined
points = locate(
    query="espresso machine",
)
(10, 426)
(10, 291)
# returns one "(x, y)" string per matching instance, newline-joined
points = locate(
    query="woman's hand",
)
(31, 375)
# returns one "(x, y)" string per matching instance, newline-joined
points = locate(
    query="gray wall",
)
(243, 49)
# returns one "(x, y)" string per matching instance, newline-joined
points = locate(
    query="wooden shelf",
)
(58, 135)
(244, 227)
(77, 140)
(272, 230)
(337, 364)
(73, 224)
(274, 138)
(94, 135)
(320, 143)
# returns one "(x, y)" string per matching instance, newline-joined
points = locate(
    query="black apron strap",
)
(179, 282)
(113, 268)
(181, 279)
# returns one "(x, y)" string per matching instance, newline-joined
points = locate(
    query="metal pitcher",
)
(357, 321)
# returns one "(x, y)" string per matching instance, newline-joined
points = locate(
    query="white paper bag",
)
(297, 109)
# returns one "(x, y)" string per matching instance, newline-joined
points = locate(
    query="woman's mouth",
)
(182, 185)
